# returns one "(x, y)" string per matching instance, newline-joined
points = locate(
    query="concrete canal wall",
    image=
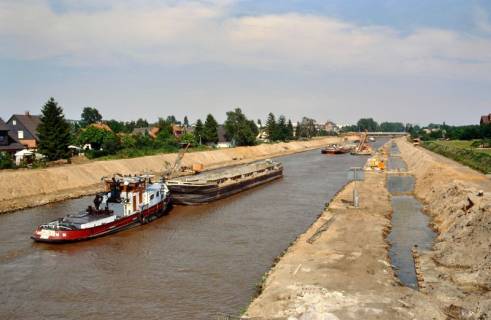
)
(457, 271)
(27, 188)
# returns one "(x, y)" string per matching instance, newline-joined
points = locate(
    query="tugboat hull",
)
(118, 224)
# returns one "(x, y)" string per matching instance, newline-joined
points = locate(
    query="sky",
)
(413, 61)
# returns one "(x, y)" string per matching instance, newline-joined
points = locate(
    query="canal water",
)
(193, 263)
(410, 226)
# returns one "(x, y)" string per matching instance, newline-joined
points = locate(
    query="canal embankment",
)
(28, 188)
(457, 270)
(340, 267)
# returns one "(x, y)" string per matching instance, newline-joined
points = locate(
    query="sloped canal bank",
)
(191, 264)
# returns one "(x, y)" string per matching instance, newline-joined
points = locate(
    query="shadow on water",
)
(410, 226)
(191, 264)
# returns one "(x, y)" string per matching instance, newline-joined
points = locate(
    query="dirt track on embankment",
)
(457, 271)
(27, 188)
(340, 269)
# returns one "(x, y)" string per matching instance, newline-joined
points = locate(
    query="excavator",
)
(363, 148)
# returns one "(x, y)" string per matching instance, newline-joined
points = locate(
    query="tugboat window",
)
(151, 197)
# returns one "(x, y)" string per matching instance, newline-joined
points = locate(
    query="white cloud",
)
(195, 32)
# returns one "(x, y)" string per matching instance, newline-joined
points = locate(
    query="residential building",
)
(330, 127)
(8, 141)
(151, 131)
(24, 128)
(485, 119)
(178, 130)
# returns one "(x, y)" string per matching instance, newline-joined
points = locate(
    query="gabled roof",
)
(30, 122)
(3, 126)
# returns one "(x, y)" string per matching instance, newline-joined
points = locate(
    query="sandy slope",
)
(345, 273)
(25, 188)
(458, 269)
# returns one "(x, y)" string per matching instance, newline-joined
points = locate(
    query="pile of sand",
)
(458, 269)
(25, 188)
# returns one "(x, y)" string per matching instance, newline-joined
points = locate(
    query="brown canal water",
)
(193, 263)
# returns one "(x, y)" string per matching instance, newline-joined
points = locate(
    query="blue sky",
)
(410, 61)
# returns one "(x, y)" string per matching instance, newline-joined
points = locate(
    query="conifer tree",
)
(271, 127)
(53, 132)
(290, 130)
(282, 130)
(198, 131)
(210, 131)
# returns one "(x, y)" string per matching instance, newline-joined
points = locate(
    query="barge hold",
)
(126, 202)
(217, 184)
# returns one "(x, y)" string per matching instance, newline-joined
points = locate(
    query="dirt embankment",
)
(340, 269)
(457, 272)
(27, 188)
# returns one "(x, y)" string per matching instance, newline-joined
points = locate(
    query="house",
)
(330, 126)
(178, 130)
(24, 128)
(151, 131)
(222, 138)
(485, 119)
(8, 141)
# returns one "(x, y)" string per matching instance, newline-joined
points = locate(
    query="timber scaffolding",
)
(217, 184)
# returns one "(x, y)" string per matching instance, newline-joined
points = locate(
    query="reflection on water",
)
(190, 264)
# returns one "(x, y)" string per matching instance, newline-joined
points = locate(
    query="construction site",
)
(404, 234)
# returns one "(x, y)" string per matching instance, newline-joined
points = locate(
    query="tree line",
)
(109, 137)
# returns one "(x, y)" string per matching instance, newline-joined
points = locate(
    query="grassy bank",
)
(461, 151)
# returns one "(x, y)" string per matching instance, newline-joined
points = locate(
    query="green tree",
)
(290, 130)
(188, 138)
(282, 129)
(172, 120)
(141, 123)
(186, 121)
(198, 131)
(271, 127)
(307, 128)
(54, 132)
(165, 126)
(99, 138)
(238, 129)
(367, 124)
(392, 127)
(210, 131)
(90, 116)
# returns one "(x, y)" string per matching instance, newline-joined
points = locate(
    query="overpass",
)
(379, 133)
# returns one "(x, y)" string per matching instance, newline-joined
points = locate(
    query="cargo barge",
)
(217, 184)
(127, 201)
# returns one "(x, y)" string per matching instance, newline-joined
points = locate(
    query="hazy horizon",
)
(411, 62)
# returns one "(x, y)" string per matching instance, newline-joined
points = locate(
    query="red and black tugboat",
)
(127, 201)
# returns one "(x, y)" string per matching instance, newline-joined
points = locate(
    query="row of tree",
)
(368, 124)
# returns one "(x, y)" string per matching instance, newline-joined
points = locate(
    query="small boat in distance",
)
(335, 149)
(127, 201)
(217, 184)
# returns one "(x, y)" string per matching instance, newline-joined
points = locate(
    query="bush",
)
(6, 161)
